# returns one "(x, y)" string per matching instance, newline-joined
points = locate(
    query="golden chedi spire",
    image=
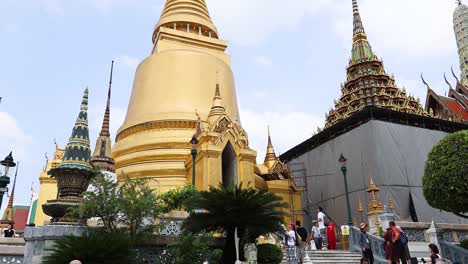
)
(171, 92)
(183, 14)
(102, 156)
(270, 156)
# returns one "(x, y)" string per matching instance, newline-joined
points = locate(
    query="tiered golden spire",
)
(270, 156)
(375, 205)
(187, 15)
(217, 108)
(390, 201)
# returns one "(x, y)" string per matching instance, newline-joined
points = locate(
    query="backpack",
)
(404, 238)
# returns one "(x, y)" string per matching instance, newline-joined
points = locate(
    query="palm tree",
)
(253, 212)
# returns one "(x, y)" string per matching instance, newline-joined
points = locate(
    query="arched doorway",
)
(229, 166)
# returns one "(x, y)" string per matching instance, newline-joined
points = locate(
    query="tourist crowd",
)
(395, 245)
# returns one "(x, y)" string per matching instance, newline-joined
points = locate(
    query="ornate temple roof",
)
(367, 82)
(183, 12)
(452, 107)
(77, 152)
(102, 156)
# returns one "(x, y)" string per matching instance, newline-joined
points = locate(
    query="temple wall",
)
(393, 154)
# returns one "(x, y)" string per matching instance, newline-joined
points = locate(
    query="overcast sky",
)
(288, 57)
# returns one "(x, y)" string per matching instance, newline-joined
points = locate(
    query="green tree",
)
(269, 254)
(132, 206)
(140, 207)
(252, 212)
(177, 198)
(102, 201)
(445, 181)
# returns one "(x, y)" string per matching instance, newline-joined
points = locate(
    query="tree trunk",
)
(229, 252)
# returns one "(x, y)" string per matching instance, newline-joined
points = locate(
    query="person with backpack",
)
(364, 242)
(302, 232)
(397, 245)
(404, 243)
(291, 243)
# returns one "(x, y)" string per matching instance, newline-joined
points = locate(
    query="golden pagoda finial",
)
(270, 156)
(390, 201)
(218, 107)
(186, 14)
(374, 204)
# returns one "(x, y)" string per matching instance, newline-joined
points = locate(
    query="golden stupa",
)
(172, 91)
(186, 88)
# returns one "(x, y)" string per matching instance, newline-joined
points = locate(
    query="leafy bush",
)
(191, 248)
(92, 248)
(464, 244)
(215, 257)
(269, 254)
(175, 199)
(132, 204)
(445, 181)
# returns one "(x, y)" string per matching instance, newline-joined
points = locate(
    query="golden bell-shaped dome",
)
(193, 12)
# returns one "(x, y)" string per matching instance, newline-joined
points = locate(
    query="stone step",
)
(331, 257)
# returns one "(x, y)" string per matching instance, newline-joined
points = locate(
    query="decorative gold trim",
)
(155, 125)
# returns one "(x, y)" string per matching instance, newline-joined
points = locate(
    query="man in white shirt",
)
(321, 221)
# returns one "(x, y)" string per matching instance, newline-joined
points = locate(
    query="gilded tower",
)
(460, 26)
(367, 82)
(102, 156)
(172, 97)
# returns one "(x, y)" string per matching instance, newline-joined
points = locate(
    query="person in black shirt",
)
(301, 231)
(10, 232)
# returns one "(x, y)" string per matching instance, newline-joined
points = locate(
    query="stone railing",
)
(375, 241)
(416, 232)
(455, 253)
(11, 250)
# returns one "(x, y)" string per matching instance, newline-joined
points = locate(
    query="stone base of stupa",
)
(41, 239)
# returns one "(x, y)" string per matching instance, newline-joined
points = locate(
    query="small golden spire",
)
(390, 201)
(374, 204)
(218, 107)
(270, 156)
(360, 208)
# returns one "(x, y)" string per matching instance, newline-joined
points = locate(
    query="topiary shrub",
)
(445, 181)
(269, 254)
(92, 248)
(464, 244)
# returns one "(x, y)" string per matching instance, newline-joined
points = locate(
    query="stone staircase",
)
(329, 257)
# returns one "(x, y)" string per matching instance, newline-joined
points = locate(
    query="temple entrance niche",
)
(229, 166)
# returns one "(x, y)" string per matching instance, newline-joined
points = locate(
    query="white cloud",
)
(287, 129)
(263, 61)
(400, 27)
(13, 138)
(248, 22)
(129, 61)
(53, 7)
